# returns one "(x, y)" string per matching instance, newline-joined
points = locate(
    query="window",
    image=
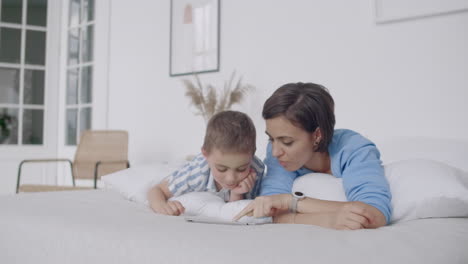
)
(79, 69)
(23, 28)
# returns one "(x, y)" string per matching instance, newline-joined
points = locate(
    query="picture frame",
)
(390, 11)
(194, 37)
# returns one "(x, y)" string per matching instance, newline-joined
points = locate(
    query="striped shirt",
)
(196, 176)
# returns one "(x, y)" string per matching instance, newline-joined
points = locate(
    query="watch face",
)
(298, 194)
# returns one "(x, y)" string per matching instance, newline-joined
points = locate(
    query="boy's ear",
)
(204, 152)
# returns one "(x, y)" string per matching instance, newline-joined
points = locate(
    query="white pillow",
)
(321, 186)
(420, 189)
(135, 182)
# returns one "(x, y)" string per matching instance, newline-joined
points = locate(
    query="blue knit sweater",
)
(354, 158)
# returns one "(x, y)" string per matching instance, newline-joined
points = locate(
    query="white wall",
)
(400, 79)
(388, 80)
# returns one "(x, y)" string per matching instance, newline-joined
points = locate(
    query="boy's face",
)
(229, 169)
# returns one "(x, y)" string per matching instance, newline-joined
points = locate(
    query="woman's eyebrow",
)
(281, 137)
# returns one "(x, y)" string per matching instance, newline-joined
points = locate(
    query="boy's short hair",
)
(230, 132)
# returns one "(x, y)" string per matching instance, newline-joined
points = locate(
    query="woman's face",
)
(291, 145)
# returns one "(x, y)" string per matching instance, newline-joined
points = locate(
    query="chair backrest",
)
(110, 147)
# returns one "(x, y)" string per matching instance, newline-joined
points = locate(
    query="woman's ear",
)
(318, 135)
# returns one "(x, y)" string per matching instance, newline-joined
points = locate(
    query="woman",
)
(300, 124)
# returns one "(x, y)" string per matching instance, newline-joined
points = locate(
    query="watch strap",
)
(296, 197)
(293, 205)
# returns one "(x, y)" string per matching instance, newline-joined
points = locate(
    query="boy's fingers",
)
(251, 178)
(174, 208)
(253, 175)
(180, 207)
(168, 210)
(249, 186)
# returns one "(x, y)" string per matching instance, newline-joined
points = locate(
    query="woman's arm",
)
(364, 181)
(337, 215)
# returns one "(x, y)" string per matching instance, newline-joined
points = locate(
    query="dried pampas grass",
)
(209, 102)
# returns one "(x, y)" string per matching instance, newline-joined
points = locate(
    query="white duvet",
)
(103, 227)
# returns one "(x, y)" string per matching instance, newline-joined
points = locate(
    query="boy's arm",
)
(157, 198)
(235, 197)
(244, 187)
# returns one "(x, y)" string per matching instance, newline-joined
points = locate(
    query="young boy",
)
(227, 166)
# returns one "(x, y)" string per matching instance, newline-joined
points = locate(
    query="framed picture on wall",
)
(388, 11)
(194, 37)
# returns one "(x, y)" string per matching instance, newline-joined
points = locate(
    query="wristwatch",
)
(296, 197)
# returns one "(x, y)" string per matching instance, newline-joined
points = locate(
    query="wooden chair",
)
(98, 153)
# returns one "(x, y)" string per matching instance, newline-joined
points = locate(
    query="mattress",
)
(101, 226)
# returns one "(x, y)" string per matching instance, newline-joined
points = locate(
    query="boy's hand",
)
(172, 208)
(247, 184)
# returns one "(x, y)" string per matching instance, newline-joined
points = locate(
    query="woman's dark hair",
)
(306, 105)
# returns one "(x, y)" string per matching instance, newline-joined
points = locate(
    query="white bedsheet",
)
(103, 227)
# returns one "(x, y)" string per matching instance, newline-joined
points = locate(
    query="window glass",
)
(74, 13)
(87, 47)
(10, 45)
(33, 87)
(8, 126)
(86, 84)
(88, 10)
(35, 47)
(33, 123)
(23, 71)
(71, 126)
(72, 86)
(12, 11)
(9, 85)
(37, 13)
(85, 119)
(80, 68)
(73, 46)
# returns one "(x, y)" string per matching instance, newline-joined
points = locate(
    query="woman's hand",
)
(336, 215)
(247, 184)
(357, 215)
(266, 206)
(347, 216)
(351, 216)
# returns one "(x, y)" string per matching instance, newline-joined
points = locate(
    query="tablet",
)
(208, 220)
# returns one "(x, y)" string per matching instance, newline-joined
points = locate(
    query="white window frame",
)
(22, 66)
(80, 66)
(11, 155)
(101, 56)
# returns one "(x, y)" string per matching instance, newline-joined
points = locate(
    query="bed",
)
(104, 226)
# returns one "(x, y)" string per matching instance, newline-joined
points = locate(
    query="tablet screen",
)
(207, 220)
